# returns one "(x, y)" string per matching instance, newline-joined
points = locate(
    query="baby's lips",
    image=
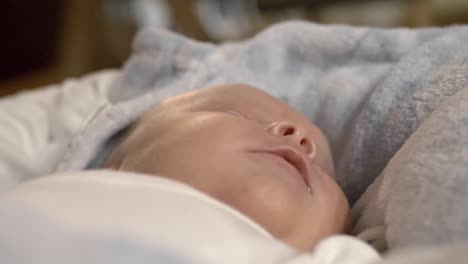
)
(295, 158)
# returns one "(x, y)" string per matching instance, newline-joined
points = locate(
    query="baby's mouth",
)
(293, 157)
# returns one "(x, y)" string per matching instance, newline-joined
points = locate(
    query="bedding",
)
(37, 125)
(391, 101)
(105, 216)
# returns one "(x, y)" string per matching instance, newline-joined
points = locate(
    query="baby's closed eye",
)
(237, 113)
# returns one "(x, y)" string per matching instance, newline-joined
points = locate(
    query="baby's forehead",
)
(227, 97)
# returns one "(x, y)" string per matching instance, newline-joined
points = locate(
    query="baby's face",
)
(249, 150)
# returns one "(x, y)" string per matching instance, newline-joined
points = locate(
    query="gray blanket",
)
(393, 102)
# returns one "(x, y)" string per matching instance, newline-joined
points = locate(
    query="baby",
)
(249, 150)
(227, 174)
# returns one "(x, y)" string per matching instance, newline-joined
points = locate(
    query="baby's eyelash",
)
(238, 114)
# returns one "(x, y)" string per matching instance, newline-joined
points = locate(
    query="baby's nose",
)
(295, 133)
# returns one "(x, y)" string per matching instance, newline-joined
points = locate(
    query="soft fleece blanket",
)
(393, 102)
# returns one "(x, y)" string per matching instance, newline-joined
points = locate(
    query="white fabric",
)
(36, 126)
(80, 217)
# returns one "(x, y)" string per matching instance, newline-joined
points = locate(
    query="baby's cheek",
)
(271, 198)
(270, 205)
(333, 201)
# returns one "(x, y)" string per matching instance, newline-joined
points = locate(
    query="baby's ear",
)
(114, 161)
(117, 149)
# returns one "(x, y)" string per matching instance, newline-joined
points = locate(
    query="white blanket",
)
(101, 217)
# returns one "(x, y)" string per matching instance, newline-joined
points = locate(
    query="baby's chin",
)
(343, 228)
(309, 242)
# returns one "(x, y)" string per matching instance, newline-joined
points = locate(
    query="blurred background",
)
(46, 41)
